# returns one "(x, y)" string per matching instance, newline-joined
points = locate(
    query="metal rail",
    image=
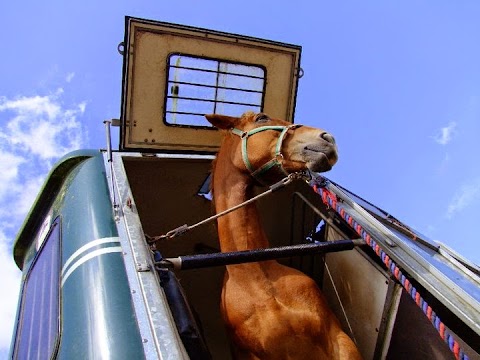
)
(460, 302)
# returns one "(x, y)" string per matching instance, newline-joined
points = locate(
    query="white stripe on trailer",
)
(93, 254)
(75, 260)
(88, 246)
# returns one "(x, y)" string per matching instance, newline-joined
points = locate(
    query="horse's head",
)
(264, 146)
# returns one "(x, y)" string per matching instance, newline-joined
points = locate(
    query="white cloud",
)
(82, 107)
(34, 132)
(467, 194)
(27, 196)
(9, 287)
(69, 77)
(445, 134)
(40, 126)
(9, 164)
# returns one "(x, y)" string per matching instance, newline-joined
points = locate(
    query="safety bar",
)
(239, 257)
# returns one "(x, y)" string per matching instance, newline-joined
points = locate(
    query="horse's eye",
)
(262, 118)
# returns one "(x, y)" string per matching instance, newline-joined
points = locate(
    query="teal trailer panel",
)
(97, 318)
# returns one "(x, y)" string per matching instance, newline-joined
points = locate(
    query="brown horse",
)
(271, 311)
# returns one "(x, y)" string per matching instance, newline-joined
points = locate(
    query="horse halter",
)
(277, 160)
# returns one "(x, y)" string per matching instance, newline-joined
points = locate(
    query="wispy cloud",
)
(445, 164)
(467, 194)
(34, 132)
(445, 134)
(40, 126)
(69, 77)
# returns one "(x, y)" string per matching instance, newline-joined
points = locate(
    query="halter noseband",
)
(278, 157)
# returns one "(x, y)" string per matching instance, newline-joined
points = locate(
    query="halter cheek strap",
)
(277, 160)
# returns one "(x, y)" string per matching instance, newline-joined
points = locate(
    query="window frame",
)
(168, 81)
(54, 234)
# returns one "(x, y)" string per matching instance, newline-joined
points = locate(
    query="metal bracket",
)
(143, 267)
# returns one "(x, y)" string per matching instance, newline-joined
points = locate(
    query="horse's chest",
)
(265, 325)
(242, 299)
(267, 305)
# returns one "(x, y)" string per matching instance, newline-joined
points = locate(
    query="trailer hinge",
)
(116, 212)
(143, 267)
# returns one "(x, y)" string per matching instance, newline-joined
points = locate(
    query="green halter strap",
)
(278, 157)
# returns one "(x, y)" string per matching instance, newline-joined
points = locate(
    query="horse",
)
(270, 311)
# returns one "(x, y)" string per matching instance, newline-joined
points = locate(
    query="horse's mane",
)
(212, 171)
(226, 134)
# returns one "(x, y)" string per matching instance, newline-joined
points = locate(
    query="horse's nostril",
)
(327, 137)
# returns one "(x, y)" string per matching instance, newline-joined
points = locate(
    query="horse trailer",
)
(109, 271)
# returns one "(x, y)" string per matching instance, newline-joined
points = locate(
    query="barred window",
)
(38, 329)
(198, 86)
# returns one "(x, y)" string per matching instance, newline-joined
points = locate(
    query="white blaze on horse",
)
(271, 311)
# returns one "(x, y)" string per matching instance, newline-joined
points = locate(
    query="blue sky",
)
(396, 82)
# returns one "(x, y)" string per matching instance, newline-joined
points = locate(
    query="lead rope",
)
(185, 228)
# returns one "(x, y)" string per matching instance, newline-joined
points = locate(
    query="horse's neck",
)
(241, 229)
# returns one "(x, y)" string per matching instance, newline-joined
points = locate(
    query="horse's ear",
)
(222, 121)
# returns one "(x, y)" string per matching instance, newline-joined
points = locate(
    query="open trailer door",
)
(175, 74)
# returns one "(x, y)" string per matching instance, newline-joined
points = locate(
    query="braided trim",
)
(330, 200)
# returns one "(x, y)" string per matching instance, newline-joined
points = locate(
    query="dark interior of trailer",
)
(357, 286)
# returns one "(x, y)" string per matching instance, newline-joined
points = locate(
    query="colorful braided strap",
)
(330, 199)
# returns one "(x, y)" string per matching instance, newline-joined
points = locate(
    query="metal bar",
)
(214, 87)
(239, 257)
(392, 221)
(390, 311)
(183, 113)
(109, 140)
(215, 71)
(155, 322)
(209, 100)
(190, 113)
(110, 165)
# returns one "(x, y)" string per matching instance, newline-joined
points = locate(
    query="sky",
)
(396, 82)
